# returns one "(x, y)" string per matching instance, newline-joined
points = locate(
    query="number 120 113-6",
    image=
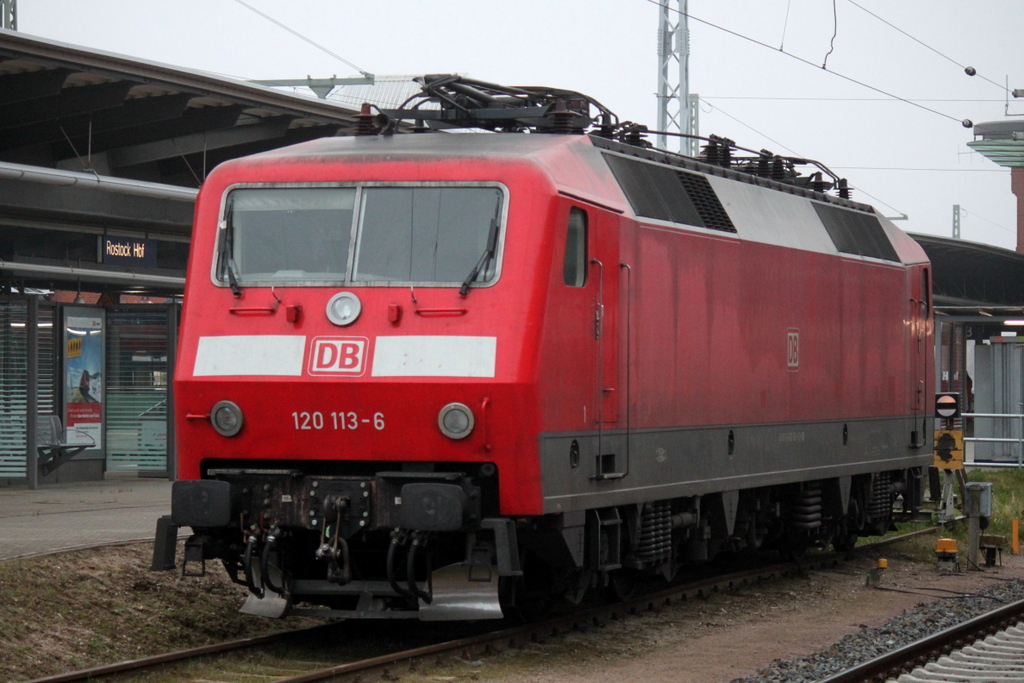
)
(317, 420)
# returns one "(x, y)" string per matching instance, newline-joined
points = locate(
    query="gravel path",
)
(914, 624)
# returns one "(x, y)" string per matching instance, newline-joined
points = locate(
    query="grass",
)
(1007, 499)
(91, 607)
(1007, 505)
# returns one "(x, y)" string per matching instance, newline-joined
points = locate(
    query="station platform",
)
(62, 517)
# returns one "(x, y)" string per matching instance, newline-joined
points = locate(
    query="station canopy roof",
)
(95, 143)
(972, 279)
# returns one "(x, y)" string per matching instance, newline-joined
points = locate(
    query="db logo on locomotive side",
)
(338, 355)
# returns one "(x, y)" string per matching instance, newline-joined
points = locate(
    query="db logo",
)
(338, 355)
(793, 349)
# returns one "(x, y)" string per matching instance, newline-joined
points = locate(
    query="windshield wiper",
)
(492, 245)
(233, 281)
(225, 256)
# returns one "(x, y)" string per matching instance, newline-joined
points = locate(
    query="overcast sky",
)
(897, 156)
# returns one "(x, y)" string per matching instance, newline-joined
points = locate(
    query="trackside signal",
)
(947, 406)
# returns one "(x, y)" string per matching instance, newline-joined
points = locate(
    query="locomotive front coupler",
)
(333, 546)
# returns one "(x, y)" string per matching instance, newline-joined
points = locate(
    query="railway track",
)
(987, 648)
(284, 670)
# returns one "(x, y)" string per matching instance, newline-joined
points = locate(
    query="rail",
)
(392, 665)
(1019, 440)
(905, 659)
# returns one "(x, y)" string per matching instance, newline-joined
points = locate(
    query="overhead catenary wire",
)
(785, 25)
(302, 37)
(911, 168)
(747, 125)
(664, 4)
(979, 216)
(835, 32)
(839, 99)
(966, 69)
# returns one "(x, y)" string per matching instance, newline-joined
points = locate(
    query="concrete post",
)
(32, 391)
(973, 541)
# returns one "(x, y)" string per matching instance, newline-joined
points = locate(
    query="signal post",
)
(949, 449)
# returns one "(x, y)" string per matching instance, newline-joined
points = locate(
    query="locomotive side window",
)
(426, 234)
(289, 233)
(369, 234)
(574, 266)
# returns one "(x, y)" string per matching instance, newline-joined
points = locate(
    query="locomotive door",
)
(605, 277)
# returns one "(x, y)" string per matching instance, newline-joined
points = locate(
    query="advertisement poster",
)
(83, 377)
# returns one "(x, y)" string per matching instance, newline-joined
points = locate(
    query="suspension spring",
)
(655, 542)
(880, 504)
(806, 510)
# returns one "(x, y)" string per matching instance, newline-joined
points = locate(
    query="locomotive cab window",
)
(282, 234)
(574, 265)
(427, 234)
(438, 235)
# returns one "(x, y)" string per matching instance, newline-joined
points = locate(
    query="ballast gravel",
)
(914, 624)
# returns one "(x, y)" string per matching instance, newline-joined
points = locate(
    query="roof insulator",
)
(365, 124)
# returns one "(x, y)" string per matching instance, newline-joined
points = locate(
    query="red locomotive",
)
(448, 376)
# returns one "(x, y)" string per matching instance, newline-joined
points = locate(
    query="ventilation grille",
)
(665, 194)
(856, 233)
(706, 201)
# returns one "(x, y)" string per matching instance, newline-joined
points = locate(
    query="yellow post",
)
(1015, 537)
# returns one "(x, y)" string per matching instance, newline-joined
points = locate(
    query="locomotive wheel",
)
(622, 586)
(793, 548)
(527, 598)
(845, 539)
(883, 526)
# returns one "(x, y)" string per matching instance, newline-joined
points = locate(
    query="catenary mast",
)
(677, 109)
(9, 14)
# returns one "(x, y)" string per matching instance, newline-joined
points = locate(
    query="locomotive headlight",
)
(226, 418)
(344, 308)
(455, 421)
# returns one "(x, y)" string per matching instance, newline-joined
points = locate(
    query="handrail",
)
(985, 439)
(991, 415)
(254, 310)
(440, 312)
